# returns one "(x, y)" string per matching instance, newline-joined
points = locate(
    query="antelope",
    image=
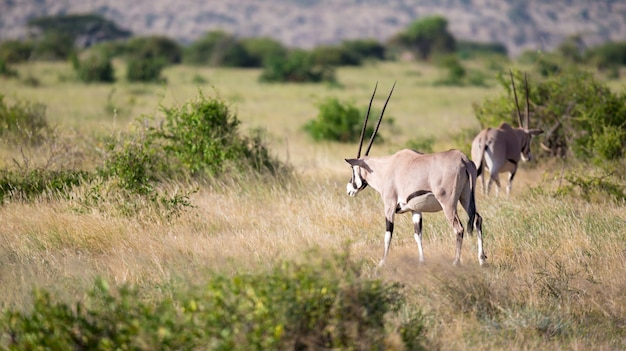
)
(410, 181)
(500, 149)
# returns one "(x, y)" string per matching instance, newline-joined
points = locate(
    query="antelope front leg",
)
(510, 184)
(388, 236)
(417, 224)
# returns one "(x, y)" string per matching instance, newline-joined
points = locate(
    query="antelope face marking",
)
(528, 136)
(356, 183)
(525, 152)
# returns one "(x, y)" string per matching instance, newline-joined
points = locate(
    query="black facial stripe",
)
(353, 181)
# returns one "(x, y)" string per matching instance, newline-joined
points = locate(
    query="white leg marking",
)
(387, 244)
(418, 235)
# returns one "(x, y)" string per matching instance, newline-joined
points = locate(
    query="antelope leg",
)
(417, 224)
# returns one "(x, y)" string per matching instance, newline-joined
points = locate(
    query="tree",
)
(427, 36)
(82, 30)
(218, 48)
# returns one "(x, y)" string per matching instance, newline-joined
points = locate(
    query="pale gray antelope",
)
(409, 181)
(500, 149)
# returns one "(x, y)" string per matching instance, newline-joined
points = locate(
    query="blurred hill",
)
(518, 24)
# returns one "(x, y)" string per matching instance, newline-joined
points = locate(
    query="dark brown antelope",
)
(500, 149)
(409, 181)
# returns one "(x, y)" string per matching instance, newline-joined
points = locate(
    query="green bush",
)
(364, 49)
(5, 69)
(260, 50)
(587, 120)
(132, 164)
(334, 56)
(203, 136)
(141, 69)
(53, 46)
(26, 185)
(16, 51)
(337, 121)
(218, 48)
(23, 122)
(298, 66)
(607, 55)
(298, 307)
(454, 69)
(471, 49)
(94, 66)
(155, 47)
(607, 186)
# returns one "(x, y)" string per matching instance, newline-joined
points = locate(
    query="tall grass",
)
(555, 279)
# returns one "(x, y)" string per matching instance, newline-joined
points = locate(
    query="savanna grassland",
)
(556, 276)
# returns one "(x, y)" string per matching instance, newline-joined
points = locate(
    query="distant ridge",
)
(518, 24)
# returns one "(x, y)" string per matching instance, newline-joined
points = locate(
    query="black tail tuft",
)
(472, 206)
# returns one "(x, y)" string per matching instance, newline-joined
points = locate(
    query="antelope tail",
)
(472, 204)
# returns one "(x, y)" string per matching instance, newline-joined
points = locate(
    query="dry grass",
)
(555, 264)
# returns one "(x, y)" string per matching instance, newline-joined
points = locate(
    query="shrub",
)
(455, 70)
(299, 307)
(203, 136)
(457, 74)
(95, 66)
(141, 69)
(155, 47)
(608, 55)
(22, 122)
(131, 163)
(261, 50)
(15, 51)
(218, 48)
(53, 46)
(364, 49)
(470, 49)
(337, 121)
(198, 139)
(5, 70)
(298, 66)
(334, 56)
(26, 185)
(601, 186)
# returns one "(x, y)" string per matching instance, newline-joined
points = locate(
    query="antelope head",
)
(358, 164)
(526, 137)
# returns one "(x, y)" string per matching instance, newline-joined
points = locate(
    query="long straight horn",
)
(527, 103)
(519, 114)
(358, 154)
(379, 120)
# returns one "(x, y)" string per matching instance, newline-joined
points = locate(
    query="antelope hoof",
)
(483, 260)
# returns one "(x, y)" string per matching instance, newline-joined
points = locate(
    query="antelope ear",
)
(353, 161)
(359, 162)
(535, 131)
